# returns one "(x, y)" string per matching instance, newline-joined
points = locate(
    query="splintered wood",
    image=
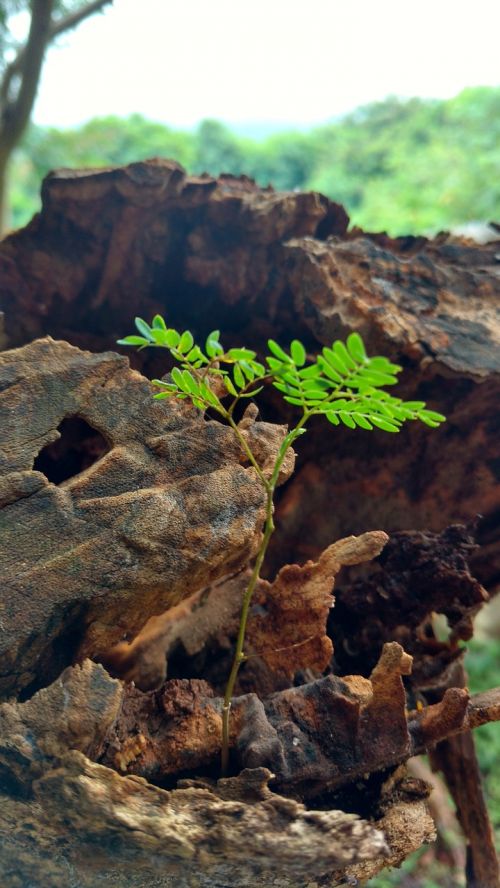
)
(134, 566)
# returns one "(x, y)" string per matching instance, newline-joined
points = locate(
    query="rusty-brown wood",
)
(87, 563)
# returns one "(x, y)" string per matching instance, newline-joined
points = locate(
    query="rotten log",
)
(51, 775)
(54, 792)
(286, 631)
(224, 253)
(235, 831)
(418, 574)
(314, 738)
(166, 510)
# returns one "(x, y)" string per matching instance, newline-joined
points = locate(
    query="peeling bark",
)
(286, 627)
(133, 561)
(166, 511)
(314, 738)
(208, 253)
(203, 833)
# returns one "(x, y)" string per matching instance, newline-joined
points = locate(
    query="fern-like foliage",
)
(342, 383)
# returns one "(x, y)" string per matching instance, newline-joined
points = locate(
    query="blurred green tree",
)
(405, 166)
(217, 150)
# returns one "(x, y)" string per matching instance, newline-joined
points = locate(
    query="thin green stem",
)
(248, 451)
(258, 381)
(269, 527)
(238, 654)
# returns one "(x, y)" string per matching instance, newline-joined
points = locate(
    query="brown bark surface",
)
(208, 253)
(168, 509)
(99, 823)
(154, 528)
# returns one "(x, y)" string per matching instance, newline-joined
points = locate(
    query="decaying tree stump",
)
(127, 539)
(209, 253)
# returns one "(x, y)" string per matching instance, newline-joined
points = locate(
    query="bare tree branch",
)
(16, 112)
(74, 18)
(15, 68)
(19, 84)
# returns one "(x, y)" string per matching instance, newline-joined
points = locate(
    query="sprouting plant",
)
(342, 384)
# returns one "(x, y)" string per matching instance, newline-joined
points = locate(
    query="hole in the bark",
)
(79, 447)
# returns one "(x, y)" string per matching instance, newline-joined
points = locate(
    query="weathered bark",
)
(316, 738)
(168, 509)
(100, 823)
(286, 628)
(112, 244)
(418, 574)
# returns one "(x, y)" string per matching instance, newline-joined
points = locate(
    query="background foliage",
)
(413, 166)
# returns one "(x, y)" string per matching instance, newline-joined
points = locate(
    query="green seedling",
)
(342, 384)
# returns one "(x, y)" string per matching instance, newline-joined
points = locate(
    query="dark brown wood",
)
(224, 253)
(88, 564)
(168, 509)
(456, 758)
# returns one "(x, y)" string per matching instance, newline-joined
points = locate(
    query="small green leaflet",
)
(144, 329)
(186, 342)
(278, 351)
(133, 340)
(298, 353)
(356, 347)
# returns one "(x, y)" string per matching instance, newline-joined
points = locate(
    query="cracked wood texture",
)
(165, 511)
(286, 628)
(100, 553)
(65, 813)
(319, 737)
(99, 824)
(208, 253)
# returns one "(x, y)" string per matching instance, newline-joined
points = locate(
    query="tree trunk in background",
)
(4, 213)
(19, 83)
(18, 90)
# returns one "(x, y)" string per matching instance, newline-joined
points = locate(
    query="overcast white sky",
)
(279, 61)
